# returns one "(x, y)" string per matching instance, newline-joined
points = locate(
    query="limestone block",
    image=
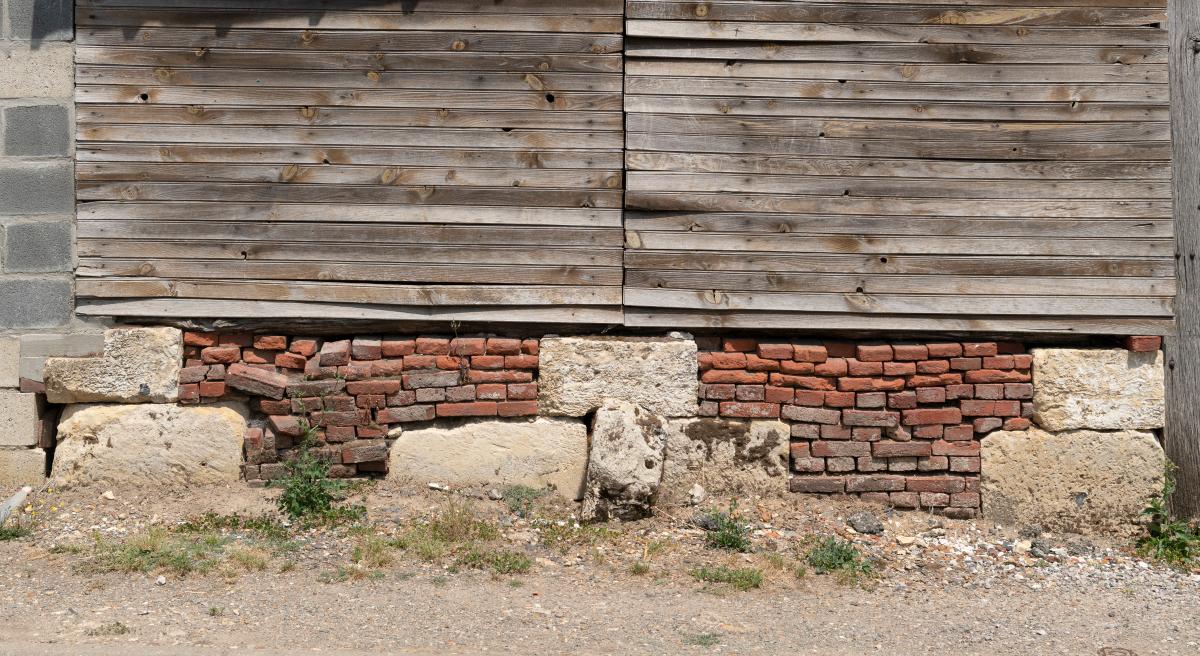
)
(139, 365)
(10, 357)
(625, 466)
(150, 445)
(576, 374)
(45, 71)
(1076, 481)
(19, 414)
(725, 456)
(535, 453)
(1101, 389)
(20, 467)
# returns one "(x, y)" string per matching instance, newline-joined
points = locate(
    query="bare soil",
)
(936, 586)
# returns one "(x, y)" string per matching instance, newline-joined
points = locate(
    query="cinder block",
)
(34, 303)
(37, 189)
(47, 71)
(10, 356)
(37, 131)
(18, 418)
(42, 247)
(36, 348)
(42, 20)
(20, 467)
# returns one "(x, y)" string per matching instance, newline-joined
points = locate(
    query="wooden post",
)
(1182, 438)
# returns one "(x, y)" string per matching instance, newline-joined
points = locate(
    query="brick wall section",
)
(897, 423)
(355, 390)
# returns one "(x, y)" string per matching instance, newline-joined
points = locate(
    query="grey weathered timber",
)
(1182, 439)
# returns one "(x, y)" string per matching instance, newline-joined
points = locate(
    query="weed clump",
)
(831, 555)
(724, 530)
(742, 578)
(1168, 539)
(308, 492)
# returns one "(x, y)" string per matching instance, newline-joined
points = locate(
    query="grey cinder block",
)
(37, 130)
(37, 189)
(38, 247)
(34, 302)
(42, 20)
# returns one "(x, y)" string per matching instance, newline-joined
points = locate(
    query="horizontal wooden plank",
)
(374, 294)
(1147, 4)
(222, 58)
(352, 175)
(534, 158)
(831, 11)
(348, 79)
(826, 224)
(386, 40)
(910, 72)
(808, 185)
(871, 325)
(899, 168)
(895, 284)
(944, 304)
(939, 53)
(349, 213)
(405, 272)
(1012, 264)
(387, 98)
(410, 195)
(349, 136)
(823, 32)
(350, 233)
(597, 7)
(89, 115)
(160, 308)
(285, 250)
(498, 20)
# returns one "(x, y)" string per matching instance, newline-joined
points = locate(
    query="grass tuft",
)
(742, 578)
(725, 531)
(1167, 539)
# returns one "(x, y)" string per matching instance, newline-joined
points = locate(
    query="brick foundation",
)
(354, 390)
(896, 423)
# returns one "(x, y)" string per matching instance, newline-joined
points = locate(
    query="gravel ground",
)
(938, 586)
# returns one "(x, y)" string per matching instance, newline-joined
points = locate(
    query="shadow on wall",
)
(45, 20)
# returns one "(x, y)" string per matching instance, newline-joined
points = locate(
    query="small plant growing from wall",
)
(308, 492)
(725, 530)
(1168, 539)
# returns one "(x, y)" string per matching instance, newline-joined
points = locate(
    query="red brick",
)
(825, 449)
(304, 346)
(719, 392)
(432, 395)
(255, 356)
(794, 368)
(881, 418)
(922, 416)
(944, 448)
(357, 371)
(476, 409)
(448, 362)
(335, 354)
(216, 372)
(752, 410)
(405, 414)
(270, 342)
(755, 363)
(959, 433)
(999, 362)
(523, 391)
(899, 368)
(933, 463)
(221, 354)
(902, 400)
(931, 395)
(870, 384)
(729, 360)
(1017, 424)
(976, 349)
(1008, 408)
(866, 434)
(860, 368)
(212, 389)
(817, 484)
(373, 387)
(880, 498)
(199, 339)
(808, 397)
(874, 352)
(904, 499)
(937, 484)
(966, 364)
(829, 432)
(960, 391)
(964, 465)
(517, 408)
(945, 350)
(996, 376)
(487, 362)
(841, 349)
(433, 346)
(398, 348)
(374, 401)
(1143, 343)
(290, 361)
(304, 405)
(900, 449)
(750, 393)
(881, 483)
(236, 339)
(491, 392)
(1023, 361)
(965, 499)
(704, 361)
(419, 379)
(193, 374)
(733, 377)
(1020, 391)
(404, 397)
(871, 400)
(815, 353)
(256, 381)
(934, 499)
(744, 345)
(370, 432)
(910, 352)
(838, 399)
(806, 431)
(468, 346)
(286, 425)
(812, 415)
(803, 382)
(503, 346)
(386, 368)
(928, 431)
(987, 424)
(273, 407)
(973, 408)
(530, 346)
(941, 380)
(708, 409)
(774, 394)
(832, 367)
(507, 376)
(339, 403)
(808, 465)
(775, 351)
(460, 393)
(933, 366)
(366, 348)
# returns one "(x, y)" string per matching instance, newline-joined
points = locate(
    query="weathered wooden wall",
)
(894, 164)
(448, 159)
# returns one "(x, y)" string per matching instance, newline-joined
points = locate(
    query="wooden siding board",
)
(383, 161)
(987, 165)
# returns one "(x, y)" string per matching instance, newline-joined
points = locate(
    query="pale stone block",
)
(19, 467)
(1101, 389)
(19, 414)
(47, 71)
(725, 456)
(576, 374)
(625, 465)
(139, 365)
(10, 362)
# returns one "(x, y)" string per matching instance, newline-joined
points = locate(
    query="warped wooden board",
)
(831, 11)
(440, 273)
(533, 158)
(499, 20)
(1147, 4)
(602, 7)
(910, 72)
(158, 308)
(342, 116)
(346, 213)
(941, 53)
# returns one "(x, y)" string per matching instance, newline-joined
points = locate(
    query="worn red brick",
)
(871, 400)
(996, 376)
(366, 348)
(878, 483)
(523, 391)
(507, 376)
(221, 354)
(839, 449)
(999, 362)
(448, 362)
(836, 432)
(803, 382)
(403, 398)
(815, 353)
(475, 409)
(405, 414)
(907, 500)
(987, 424)
(812, 415)
(274, 407)
(839, 399)
(870, 384)
(491, 392)
(793, 368)
(755, 363)
(202, 340)
(256, 381)
(750, 410)
(745, 345)
(866, 434)
(964, 465)
(874, 352)
(1017, 424)
(910, 352)
(900, 449)
(931, 395)
(1143, 343)
(959, 433)
(335, 354)
(902, 400)
(734, 377)
(398, 348)
(944, 448)
(921, 416)
(899, 368)
(729, 360)
(1008, 408)
(945, 350)
(881, 418)
(530, 346)
(521, 362)
(487, 362)
(977, 408)
(270, 342)
(212, 389)
(933, 463)
(960, 391)
(432, 346)
(933, 366)
(832, 367)
(860, 368)
(1019, 391)
(817, 484)
(287, 425)
(750, 393)
(775, 351)
(503, 346)
(517, 408)
(772, 394)
(468, 346)
(937, 484)
(290, 361)
(976, 349)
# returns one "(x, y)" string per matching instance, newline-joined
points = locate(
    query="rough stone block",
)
(37, 131)
(149, 445)
(19, 414)
(47, 71)
(578, 373)
(39, 247)
(20, 467)
(10, 362)
(738, 457)
(1076, 481)
(43, 188)
(536, 453)
(42, 20)
(625, 465)
(34, 302)
(139, 365)
(1100, 389)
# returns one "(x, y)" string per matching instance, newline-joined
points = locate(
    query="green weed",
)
(725, 531)
(831, 555)
(742, 578)
(1168, 539)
